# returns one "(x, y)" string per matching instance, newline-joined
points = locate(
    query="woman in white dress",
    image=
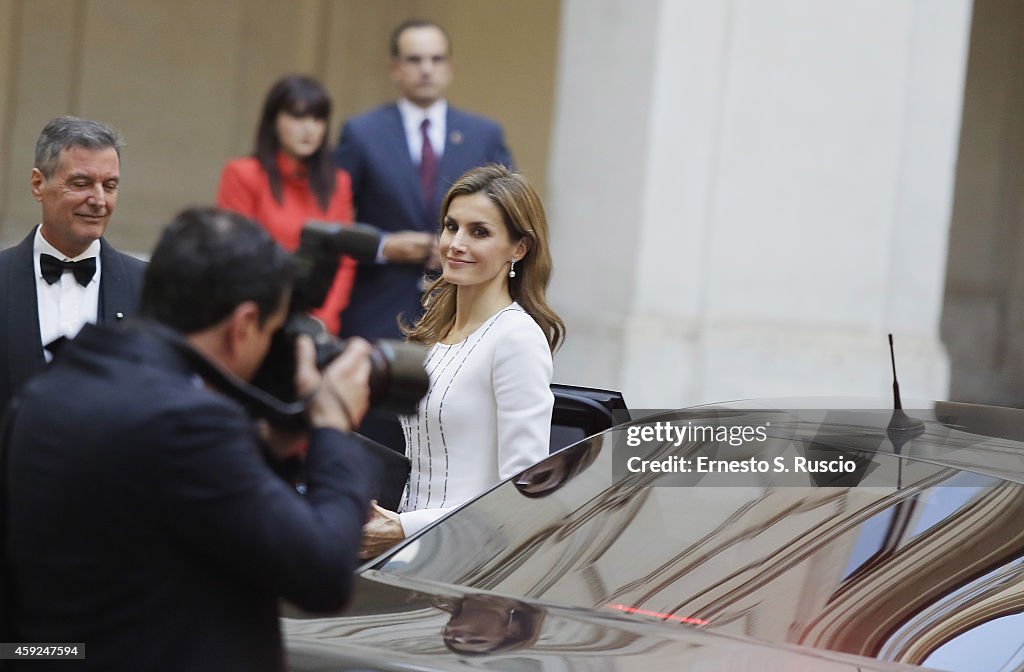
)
(487, 413)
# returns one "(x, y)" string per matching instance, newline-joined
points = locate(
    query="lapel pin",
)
(455, 137)
(118, 316)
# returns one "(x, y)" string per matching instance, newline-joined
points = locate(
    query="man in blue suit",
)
(402, 158)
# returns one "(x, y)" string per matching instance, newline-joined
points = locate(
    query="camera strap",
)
(257, 402)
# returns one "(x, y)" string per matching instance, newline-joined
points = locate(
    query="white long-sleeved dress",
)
(485, 417)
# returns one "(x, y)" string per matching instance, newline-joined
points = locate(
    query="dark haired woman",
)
(289, 178)
(487, 413)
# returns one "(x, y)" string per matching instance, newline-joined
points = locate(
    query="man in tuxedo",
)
(64, 274)
(142, 514)
(402, 158)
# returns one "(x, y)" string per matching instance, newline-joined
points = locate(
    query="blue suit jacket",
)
(21, 349)
(386, 192)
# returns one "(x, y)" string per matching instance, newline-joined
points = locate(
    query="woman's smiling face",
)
(475, 245)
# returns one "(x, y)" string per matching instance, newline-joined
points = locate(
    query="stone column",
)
(746, 196)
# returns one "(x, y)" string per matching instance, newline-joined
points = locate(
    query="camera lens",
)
(397, 378)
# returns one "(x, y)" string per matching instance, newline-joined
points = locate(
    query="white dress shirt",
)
(412, 119)
(65, 306)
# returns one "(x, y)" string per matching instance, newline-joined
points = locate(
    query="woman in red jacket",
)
(290, 178)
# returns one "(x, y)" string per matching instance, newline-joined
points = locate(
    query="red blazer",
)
(244, 188)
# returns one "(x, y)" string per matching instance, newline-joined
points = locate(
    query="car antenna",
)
(902, 428)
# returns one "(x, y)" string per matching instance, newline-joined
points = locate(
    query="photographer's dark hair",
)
(209, 261)
(298, 96)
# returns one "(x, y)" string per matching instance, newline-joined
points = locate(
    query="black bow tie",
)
(52, 268)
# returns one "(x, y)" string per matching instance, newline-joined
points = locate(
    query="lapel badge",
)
(455, 137)
(118, 316)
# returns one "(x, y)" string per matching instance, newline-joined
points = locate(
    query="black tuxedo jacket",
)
(21, 349)
(144, 521)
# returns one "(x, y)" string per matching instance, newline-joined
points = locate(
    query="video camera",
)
(397, 378)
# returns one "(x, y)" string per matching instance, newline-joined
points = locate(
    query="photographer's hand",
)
(282, 444)
(341, 393)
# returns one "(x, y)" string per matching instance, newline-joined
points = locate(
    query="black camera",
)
(397, 378)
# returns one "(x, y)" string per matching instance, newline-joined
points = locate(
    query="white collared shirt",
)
(412, 118)
(65, 306)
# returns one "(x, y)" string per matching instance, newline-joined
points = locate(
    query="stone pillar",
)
(746, 196)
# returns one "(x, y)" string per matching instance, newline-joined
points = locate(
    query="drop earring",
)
(512, 269)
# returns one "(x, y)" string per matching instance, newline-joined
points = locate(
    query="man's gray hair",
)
(64, 132)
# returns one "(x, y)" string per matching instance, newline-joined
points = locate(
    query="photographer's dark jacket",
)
(145, 521)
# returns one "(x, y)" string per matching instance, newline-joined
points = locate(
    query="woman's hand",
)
(382, 530)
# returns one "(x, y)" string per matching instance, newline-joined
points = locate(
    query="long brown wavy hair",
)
(523, 215)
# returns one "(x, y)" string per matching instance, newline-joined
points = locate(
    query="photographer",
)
(142, 517)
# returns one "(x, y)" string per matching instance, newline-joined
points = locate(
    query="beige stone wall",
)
(983, 320)
(7, 39)
(778, 201)
(183, 81)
